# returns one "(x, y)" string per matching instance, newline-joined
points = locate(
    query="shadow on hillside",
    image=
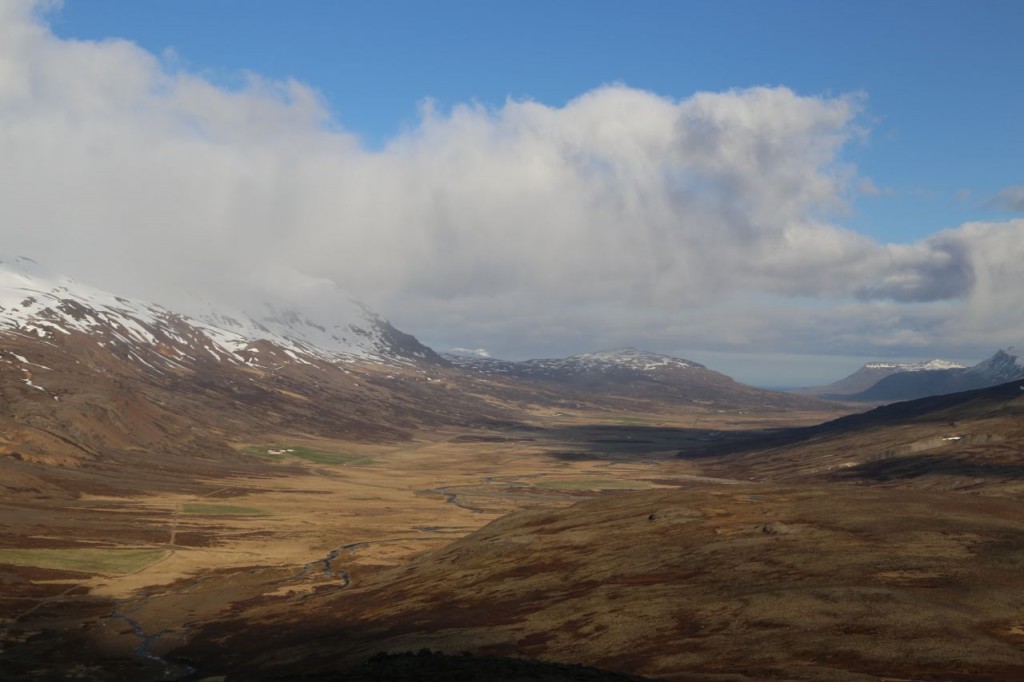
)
(603, 441)
(916, 466)
(427, 666)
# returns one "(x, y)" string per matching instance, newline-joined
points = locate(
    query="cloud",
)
(867, 187)
(523, 228)
(1009, 199)
(933, 270)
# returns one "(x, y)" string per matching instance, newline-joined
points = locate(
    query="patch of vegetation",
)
(312, 455)
(593, 484)
(212, 509)
(105, 561)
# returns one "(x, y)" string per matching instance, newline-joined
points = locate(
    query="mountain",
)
(1003, 366)
(873, 372)
(51, 307)
(90, 379)
(88, 376)
(617, 360)
(881, 382)
(633, 374)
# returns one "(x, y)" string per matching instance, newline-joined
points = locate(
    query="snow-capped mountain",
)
(632, 374)
(926, 366)
(890, 381)
(86, 374)
(1004, 366)
(617, 360)
(51, 307)
(873, 372)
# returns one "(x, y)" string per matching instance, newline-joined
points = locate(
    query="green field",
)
(105, 561)
(212, 509)
(312, 455)
(593, 484)
(634, 420)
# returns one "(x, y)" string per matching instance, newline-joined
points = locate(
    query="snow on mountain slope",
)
(628, 359)
(619, 358)
(632, 374)
(1005, 365)
(47, 306)
(926, 366)
(890, 381)
(873, 372)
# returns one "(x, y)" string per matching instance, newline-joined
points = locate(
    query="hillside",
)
(743, 582)
(967, 441)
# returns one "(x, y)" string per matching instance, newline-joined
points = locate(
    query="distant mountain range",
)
(85, 373)
(890, 382)
(629, 372)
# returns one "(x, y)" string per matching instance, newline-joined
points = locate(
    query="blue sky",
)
(778, 189)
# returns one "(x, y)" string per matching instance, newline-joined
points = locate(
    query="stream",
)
(164, 669)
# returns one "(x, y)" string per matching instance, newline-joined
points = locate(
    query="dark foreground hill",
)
(434, 666)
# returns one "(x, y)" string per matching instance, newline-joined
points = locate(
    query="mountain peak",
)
(1004, 365)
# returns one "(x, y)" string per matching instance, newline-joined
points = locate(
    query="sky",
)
(780, 190)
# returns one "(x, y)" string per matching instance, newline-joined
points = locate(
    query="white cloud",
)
(622, 215)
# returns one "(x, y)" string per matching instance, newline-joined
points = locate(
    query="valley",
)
(290, 500)
(114, 572)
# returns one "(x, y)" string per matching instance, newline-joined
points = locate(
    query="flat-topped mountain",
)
(634, 373)
(616, 360)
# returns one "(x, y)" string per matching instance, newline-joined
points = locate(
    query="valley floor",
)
(315, 534)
